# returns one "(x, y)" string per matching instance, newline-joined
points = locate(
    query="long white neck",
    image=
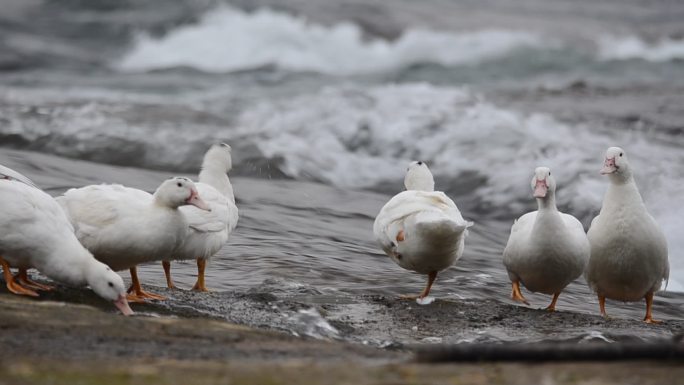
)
(548, 203)
(216, 175)
(548, 218)
(68, 262)
(419, 180)
(622, 192)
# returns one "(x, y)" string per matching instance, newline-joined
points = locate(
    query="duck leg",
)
(23, 279)
(13, 286)
(602, 305)
(199, 285)
(167, 273)
(516, 294)
(552, 306)
(649, 304)
(431, 279)
(140, 295)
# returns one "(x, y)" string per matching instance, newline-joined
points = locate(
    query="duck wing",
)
(8, 173)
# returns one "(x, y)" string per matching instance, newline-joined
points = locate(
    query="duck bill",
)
(609, 167)
(540, 188)
(196, 201)
(122, 304)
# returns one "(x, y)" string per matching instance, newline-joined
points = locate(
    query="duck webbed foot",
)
(23, 279)
(649, 305)
(431, 279)
(516, 295)
(552, 306)
(136, 292)
(12, 285)
(199, 285)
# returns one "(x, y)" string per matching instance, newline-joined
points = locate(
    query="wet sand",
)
(64, 343)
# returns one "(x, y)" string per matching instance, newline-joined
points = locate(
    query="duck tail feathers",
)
(439, 224)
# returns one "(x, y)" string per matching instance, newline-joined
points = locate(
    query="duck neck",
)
(217, 177)
(68, 262)
(160, 201)
(548, 203)
(547, 215)
(622, 192)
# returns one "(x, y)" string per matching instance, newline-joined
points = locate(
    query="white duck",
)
(208, 231)
(124, 227)
(547, 249)
(421, 229)
(36, 233)
(628, 250)
(22, 277)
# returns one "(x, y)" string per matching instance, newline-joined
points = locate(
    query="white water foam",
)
(227, 40)
(632, 47)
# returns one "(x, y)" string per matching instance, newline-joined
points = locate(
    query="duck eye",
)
(420, 163)
(179, 184)
(620, 154)
(110, 284)
(549, 173)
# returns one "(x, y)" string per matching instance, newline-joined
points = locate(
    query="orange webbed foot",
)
(516, 294)
(18, 289)
(140, 296)
(199, 285)
(12, 285)
(552, 307)
(136, 292)
(23, 279)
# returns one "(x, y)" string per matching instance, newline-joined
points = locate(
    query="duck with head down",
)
(421, 229)
(629, 258)
(124, 227)
(35, 233)
(547, 249)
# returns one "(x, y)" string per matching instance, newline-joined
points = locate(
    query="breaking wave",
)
(228, 40)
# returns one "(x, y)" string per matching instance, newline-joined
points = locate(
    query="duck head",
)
(615, 163)
(179, 191)
(108, 285)
(419, 177)
(543, 183)
(219, 156)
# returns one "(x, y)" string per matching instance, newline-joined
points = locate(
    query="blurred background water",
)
(325, 102)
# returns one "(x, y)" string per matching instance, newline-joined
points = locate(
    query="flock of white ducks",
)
(80, 238)
(623, 256)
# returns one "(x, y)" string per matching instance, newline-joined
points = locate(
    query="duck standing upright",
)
(124, 227)
(547, 249)
(208, 231)
(628, 249)
(36, 233)
(421, 229)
